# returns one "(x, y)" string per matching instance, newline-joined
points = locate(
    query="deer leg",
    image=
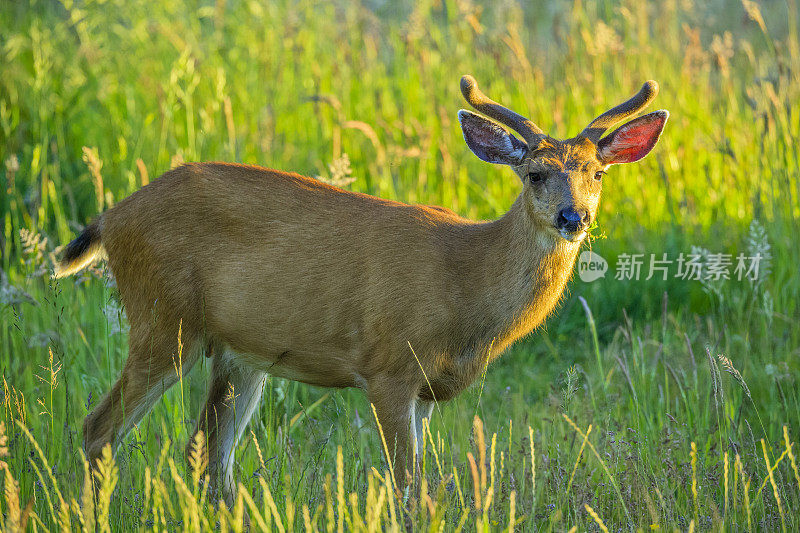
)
(233, 394)
(148, 372)
(394, 406)
(422, 410)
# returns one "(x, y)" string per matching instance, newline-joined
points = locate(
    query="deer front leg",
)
(395, 405)
(233, 395)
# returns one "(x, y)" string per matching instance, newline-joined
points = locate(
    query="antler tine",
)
(598, 126)
(529, 131)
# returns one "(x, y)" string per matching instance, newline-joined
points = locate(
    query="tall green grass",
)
(669, 404)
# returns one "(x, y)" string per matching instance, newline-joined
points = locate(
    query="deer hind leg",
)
(233, 395)
(151, 369)
(422, 410)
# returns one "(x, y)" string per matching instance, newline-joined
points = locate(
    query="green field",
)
(641, 404)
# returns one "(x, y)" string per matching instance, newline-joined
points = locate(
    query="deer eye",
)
(599, 175)
(536, 177)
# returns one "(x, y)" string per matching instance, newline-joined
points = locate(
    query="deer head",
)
(562, 180)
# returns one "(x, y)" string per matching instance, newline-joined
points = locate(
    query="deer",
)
(270, 272)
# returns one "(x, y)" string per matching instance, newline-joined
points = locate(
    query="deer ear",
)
(633, 140)
(489, 141)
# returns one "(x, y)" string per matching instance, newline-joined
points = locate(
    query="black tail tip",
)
(80, 251)
(80, 244)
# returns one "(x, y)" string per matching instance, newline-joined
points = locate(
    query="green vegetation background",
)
(97, 97)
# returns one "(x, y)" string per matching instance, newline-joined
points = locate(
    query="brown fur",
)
(283, 274)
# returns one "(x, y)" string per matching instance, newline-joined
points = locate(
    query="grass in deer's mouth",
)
(572, 237)
(622, 424)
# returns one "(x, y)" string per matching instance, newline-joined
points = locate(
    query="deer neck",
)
(517, 273)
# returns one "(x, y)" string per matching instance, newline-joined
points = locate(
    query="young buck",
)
(272, 272)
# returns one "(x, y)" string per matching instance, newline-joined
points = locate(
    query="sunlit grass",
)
(173, 497)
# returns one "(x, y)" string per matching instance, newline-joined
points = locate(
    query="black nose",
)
(571, 219)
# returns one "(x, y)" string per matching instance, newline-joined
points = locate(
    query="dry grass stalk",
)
(340, 483)
(791, 455)
(727, 366)
(476, 480)
(512, 511)
(745, 491)
(144, 177)
(578, 460)
(92, 159)
(480, 441)
(596, 518)
(693, 454)
(533, 467)
(725, 501)
(107, 476)
(774, 485)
